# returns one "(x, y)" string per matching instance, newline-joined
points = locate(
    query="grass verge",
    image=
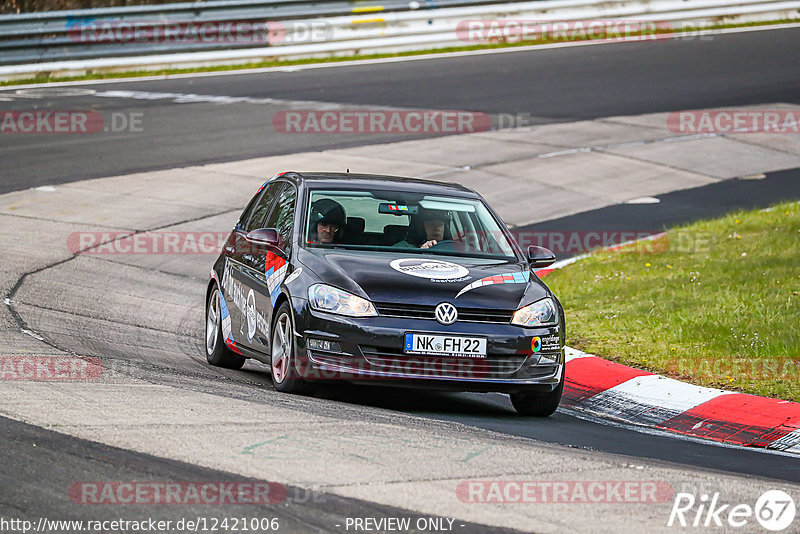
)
(715, 303)
(46, 78)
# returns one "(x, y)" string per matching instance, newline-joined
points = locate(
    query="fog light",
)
(553, 357)
(324, 344)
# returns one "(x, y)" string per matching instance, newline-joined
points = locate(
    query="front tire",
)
(539, 404)
(217, 353)
(285, 377)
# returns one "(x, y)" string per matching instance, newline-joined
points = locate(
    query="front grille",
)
(470, 315)
(395, 361)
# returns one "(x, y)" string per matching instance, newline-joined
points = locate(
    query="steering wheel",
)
(442, 242)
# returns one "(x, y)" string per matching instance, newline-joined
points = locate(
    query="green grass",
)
(716, 303)
(46, 78)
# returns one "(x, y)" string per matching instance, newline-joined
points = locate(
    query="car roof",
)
(321, 180)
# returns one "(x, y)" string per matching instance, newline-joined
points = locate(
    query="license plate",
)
(438, 345)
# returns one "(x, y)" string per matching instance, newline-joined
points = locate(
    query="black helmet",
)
(329, 211)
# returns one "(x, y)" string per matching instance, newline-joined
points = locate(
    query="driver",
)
(431, 223)
(434, 223)
(327, 223)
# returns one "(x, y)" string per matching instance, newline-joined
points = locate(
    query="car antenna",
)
(348, 170)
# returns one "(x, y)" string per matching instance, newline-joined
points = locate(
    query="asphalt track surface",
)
(554, 85)
(41, 466)
(676, 208)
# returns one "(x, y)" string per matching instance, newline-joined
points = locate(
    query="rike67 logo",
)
(774, 511)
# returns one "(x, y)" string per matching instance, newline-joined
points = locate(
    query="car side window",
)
(261, 208)
(282, 216)
(248, 211)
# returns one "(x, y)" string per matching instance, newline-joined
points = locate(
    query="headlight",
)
(539, 313)
(330, 299)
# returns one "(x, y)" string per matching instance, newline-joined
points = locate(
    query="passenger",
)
(328, 219)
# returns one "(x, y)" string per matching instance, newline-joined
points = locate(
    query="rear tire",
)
(285, 376)
(217, 353)
(539, 404)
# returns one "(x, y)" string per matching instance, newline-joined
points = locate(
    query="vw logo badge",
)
(446, 313)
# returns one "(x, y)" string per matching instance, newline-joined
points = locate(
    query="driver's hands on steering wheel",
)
(428, 244)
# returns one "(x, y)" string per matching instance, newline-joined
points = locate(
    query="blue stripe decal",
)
(274, 295)
(223, 306)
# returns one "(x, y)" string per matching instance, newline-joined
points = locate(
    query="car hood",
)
(400, 278)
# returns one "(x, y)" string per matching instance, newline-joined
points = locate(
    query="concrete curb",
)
(611, 390)
(615, 391)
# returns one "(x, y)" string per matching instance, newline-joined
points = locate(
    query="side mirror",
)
(265, 237)
(540, 256)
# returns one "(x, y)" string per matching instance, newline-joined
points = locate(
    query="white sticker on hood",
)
(432, 269)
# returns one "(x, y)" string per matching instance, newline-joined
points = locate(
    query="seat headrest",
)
(356, 224)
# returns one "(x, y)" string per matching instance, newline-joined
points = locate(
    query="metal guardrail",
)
(28, 47)
(78, 34)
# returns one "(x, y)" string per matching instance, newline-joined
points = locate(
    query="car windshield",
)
(398, 220)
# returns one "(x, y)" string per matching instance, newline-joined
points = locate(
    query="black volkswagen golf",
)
(387, 280)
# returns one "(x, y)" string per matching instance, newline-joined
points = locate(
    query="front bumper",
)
(371, 350)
